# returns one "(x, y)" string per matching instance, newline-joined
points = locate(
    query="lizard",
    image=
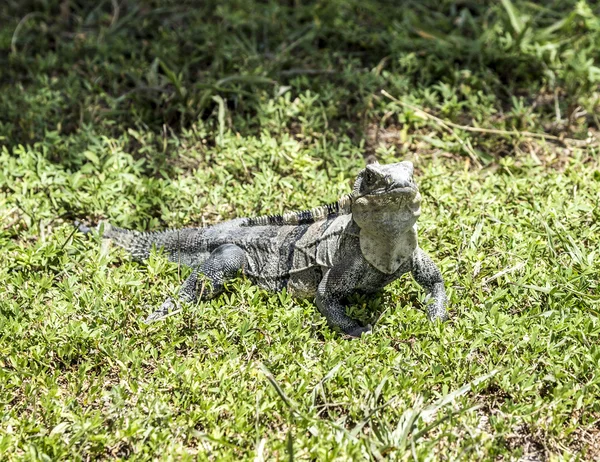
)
(358, 244)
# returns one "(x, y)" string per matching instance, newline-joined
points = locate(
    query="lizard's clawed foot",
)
(440, 315)
(164, 311)
(359, 331)
(81, 227)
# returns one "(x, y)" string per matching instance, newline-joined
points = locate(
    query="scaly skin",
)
(361, 243)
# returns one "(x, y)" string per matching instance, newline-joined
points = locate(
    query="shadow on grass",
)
(162, 66)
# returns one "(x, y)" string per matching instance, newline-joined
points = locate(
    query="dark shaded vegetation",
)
(68, 64)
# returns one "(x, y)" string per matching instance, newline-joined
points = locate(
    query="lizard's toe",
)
(442, 316)
(359, 331)
(162, 312)
(156, 316)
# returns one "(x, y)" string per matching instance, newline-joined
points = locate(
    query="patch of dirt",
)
(520, 438)
(587, 442)
(537, 446)
(123, 449)
(530, 443)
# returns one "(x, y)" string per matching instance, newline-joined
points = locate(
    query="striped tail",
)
(180, 245)
(342, 207)
(138, 244)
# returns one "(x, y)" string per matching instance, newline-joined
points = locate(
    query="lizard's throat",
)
(387, 255)
(387, 237)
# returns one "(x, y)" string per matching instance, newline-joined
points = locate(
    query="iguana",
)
(360, 243)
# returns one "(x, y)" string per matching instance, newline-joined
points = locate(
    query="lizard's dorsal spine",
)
(341, 207)
(139, 244)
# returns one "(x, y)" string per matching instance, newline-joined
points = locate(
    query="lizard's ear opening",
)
(369, 177)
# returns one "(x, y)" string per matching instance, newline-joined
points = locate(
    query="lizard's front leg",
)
(427, 274)
(224, 263)
(332, 289)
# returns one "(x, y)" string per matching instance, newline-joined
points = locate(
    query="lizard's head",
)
(386, 198)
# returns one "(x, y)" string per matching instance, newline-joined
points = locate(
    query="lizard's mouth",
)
(395, 191)
(389, 200)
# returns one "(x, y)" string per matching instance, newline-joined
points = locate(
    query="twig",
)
(447, 125)
(171, 313)
(13, 41)
(142, 88)
(75, 229)
(116, 11)
(492, 131)
(297, 71)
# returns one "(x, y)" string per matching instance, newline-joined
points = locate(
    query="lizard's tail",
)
(136, 243)
(180, 245)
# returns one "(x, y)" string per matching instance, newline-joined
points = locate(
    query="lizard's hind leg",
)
(224, 263)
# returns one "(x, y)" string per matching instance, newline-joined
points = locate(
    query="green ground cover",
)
(158, 114)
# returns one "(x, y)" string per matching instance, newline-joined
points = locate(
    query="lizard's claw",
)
(163, 312)
(81, 227)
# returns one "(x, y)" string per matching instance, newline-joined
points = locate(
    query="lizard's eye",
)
(370, 178)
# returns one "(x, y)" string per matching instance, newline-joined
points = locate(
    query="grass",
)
(166, 114)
